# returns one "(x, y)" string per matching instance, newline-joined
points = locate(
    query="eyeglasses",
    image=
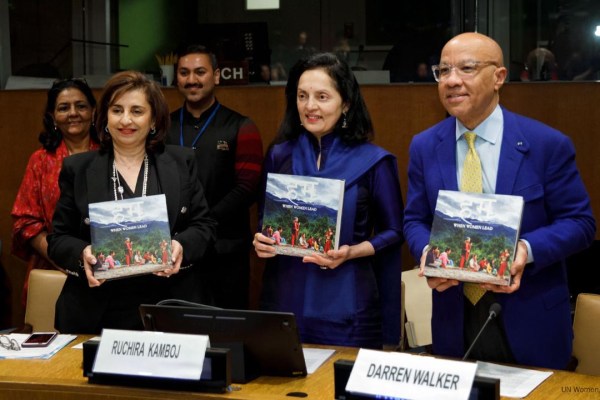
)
(9, 343)
(465, 70)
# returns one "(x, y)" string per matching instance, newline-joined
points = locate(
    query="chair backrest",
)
(417, 304)
(44, 288)
(402, 316)
(586, 325)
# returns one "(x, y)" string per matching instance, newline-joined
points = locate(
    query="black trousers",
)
(224, 279)
(492, 345)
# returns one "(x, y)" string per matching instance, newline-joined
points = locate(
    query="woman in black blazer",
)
(133, 162)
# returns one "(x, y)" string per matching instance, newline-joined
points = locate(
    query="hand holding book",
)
(176, 257)
(302, 214)
(131, 237)
(474, 239)
(439, 284)
(264, 246)
(516, 272)
(334, 258)
(331, 260)
(89, 261)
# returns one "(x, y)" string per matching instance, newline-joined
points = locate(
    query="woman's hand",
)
(334, 258)
(176, 258)
(89, 261)
(263, 246)
(331, 260)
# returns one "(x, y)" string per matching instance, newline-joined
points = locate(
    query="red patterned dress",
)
(34, 206)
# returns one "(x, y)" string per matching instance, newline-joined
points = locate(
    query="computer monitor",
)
(261, 342)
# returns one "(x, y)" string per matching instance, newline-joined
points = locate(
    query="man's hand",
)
(516, 270)
(439, 284)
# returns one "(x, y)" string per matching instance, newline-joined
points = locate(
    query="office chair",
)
(418, 305)
(44, 288)
(401, 346)
(586, 325)
(402, 316)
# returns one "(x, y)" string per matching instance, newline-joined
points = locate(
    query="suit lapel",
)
(99, 183)
(514, 148)
(445, 152)
(168, 177)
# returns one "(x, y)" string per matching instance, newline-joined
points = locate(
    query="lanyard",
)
(201, 131)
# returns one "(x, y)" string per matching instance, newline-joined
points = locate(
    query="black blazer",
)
(84, 179)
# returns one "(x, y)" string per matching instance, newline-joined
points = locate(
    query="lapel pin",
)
(183, 210)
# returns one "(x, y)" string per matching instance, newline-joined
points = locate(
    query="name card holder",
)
(483, 388)
(215, 378)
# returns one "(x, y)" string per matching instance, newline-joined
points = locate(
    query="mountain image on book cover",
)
(303, 214)
(130, 237)
(474, 237)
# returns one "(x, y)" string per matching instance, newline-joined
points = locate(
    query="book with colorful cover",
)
(303, 213)
(130, 237)
(474, 237)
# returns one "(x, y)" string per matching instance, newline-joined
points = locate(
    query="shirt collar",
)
(489, 130)
(187, 116)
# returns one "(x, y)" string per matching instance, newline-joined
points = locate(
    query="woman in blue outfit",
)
(350, 297)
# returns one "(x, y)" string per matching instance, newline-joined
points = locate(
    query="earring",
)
(152, 132)
(106, 129)
(344, 121)
(55, 128)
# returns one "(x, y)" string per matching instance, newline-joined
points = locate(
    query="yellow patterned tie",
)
(472, 181)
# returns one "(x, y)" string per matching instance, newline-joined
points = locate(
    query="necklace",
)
(117, 187)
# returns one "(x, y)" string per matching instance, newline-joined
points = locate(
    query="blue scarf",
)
(337, 286)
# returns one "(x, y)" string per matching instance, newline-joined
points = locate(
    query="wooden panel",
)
(398, 112)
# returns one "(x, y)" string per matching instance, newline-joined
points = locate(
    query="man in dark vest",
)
(229, 151)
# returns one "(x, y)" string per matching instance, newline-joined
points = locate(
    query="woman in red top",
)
(328, 236)
(164, 253)
(504, 254)
(128, 251)
(68, 129)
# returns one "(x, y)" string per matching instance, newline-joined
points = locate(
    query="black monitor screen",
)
(268, 341)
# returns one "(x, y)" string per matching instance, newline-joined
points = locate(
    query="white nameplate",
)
(151, 354)
(408, 376)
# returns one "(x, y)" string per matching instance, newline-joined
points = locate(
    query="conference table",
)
(61, 378)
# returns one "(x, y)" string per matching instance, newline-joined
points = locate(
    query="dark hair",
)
(126, 81)
(359, 127)
(197, 49)
(51, 137)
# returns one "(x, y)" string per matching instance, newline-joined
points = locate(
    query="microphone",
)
(494, 312)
